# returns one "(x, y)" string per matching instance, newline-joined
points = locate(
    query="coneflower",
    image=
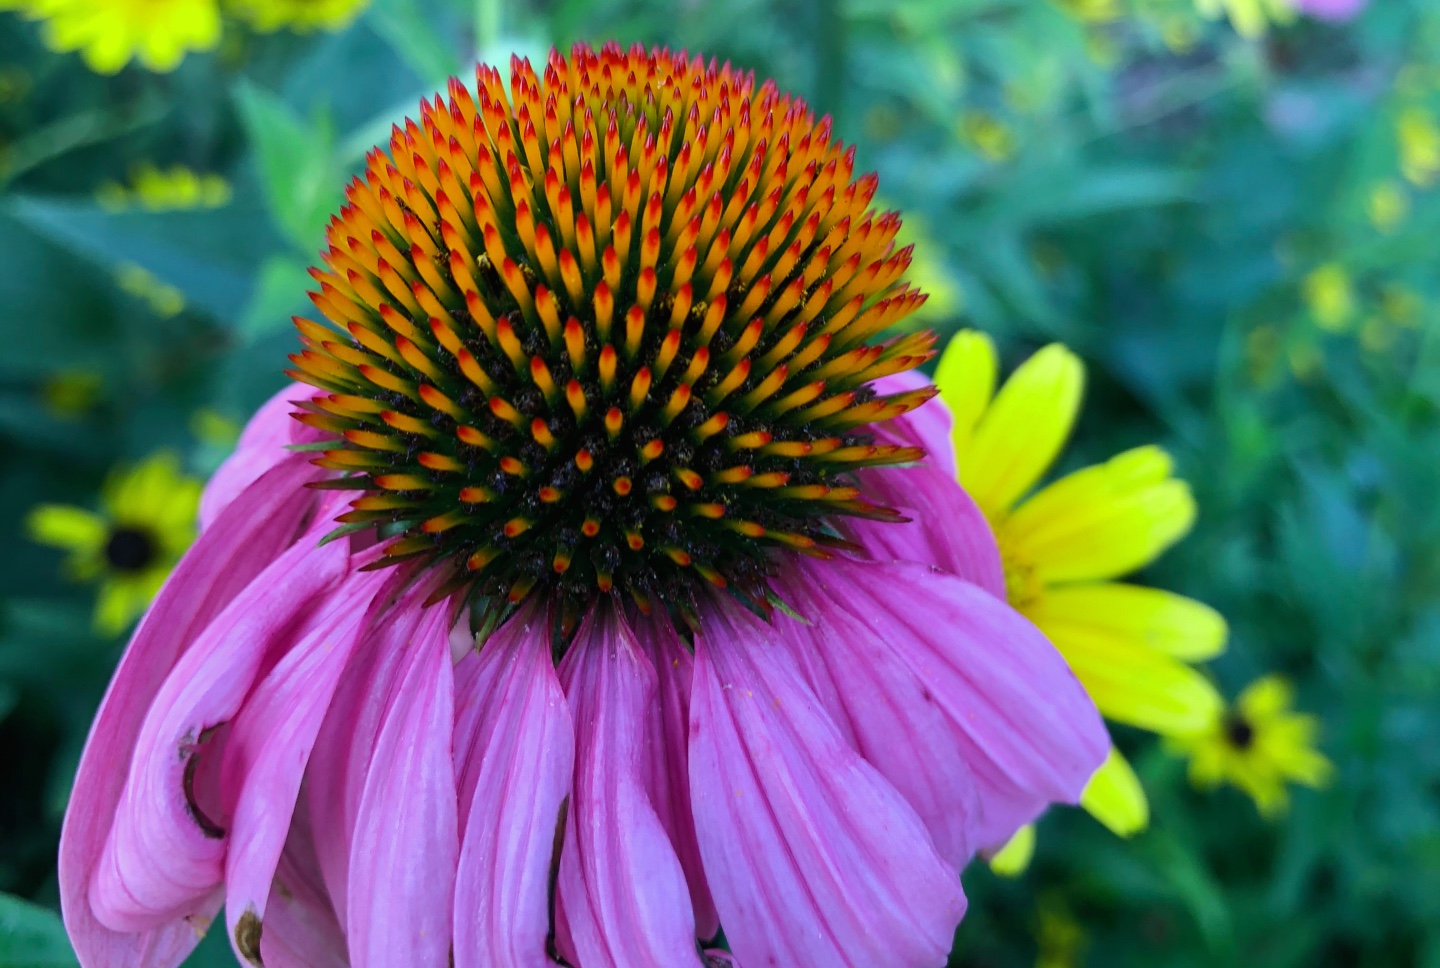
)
(582, 640)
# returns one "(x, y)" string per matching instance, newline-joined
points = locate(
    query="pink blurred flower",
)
(319, 743)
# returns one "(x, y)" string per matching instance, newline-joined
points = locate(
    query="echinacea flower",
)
(1064, 545)
(145, 522)
(1259, 746)
(586, 668)
(109, 33)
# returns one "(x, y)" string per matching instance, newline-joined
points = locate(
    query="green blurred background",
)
(1234, 227)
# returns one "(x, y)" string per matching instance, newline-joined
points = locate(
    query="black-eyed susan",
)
(1064, 545)
(145, 522)
(1260, 746)
(110, 33)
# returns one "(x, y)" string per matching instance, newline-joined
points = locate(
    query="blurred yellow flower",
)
(1259, 746)
(1064, 545)
(1418, 139)
(108, 33)
(298, 15)
(1248, 17)
(145, 523)
(988, 135)
(1330, 295)
(1091, 11)
(163, 298)
(1387, 206)
(158, 190)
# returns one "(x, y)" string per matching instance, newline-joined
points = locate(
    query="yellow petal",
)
(1115, 798)
(1264, 698)
(1173, 624)
(64, 526)
(120, 601)
(1134, 684)
(1012, 859)
(1102, 521)
(966, 377)
(1022, 432)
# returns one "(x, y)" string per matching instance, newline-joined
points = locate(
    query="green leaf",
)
(32, 936)
(404, 27)
(303, 183)
(279, 294)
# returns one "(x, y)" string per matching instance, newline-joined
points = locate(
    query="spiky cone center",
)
(610, 327)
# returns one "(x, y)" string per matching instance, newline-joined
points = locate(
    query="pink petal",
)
(402, 860)
(251, 533)
(667, 775)
(261, 446)
(161, 859)
(301, 930)
(1030, 733)
(269, 745)
(813, 857)
(515, 744)
(947, 528)
(346, 741)
(883, 708)
(623, 890)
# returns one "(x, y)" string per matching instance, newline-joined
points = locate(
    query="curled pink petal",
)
(1030, 733)
(813, 857)
(403, 857)
(888, 713)
(515, 754)
(626, 900)
(254, 529)
(267, 749)
(261, 446)
(163, 855)
(667, 772)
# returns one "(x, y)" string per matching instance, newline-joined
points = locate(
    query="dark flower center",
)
(1239, 733)
(609, 328)
(130, 549)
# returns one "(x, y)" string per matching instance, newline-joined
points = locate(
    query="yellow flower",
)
(1418, 138)
(1387, 206)
(297, 15)
(1259, 746)
(164, 299)
(1064, 545)
(173, 189)
(1248, 17)
(146, 521)
(108, 33)
(1331, 297)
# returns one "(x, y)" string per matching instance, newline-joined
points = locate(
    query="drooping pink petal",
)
(667, 771)
(268, 747)
(1029, 732)
(346, 741)
(946, 528)
(261, 446)
(514, 756)
(301, 930)
(884, 709)
(162, 855)
(813, 857)
(252, 531)
(622, 887)
(403, 857)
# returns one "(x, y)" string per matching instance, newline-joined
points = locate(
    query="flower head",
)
(1064, 545)
(584, 639)
(1260, 746)
(108, 33)
(145, 522)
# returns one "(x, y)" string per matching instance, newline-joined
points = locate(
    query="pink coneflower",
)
(609, 646)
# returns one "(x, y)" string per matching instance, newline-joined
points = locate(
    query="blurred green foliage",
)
(1237, 234)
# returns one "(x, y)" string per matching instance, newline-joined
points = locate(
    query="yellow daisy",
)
(1259, 746)
(298, 15)
(1064, 544)
(108, 33)
(146, 521)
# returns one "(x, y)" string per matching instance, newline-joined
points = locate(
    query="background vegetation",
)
(1236, 232)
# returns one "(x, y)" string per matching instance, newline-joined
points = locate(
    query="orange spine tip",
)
(549, 310)
(575, 344)
(401, 482)
(513, 467)
(664, 502)
(604, 303)
(370, 440)
(669, 347)
(639, 387)
(405, 423)
(510, 343)
(733, 475)
(515, 527)
(590, 528)
(570, 276)
(540, 376)
(711, 427)
(476, 495)
(584, 461)
(614, 420)
(501, 408)
(575, 396)
(729, 384)
(622, 485)
(699, 363)
(689, 478)
(680, 308)
(652, 449)
(749, 529)
(439, 462)
(709, 510)
(540, 431)
(473, 437)
(644, 290)
(550, 495)
(634, 540)
(634, 330)
(608, 362)
(678, 401)
(435, 399)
